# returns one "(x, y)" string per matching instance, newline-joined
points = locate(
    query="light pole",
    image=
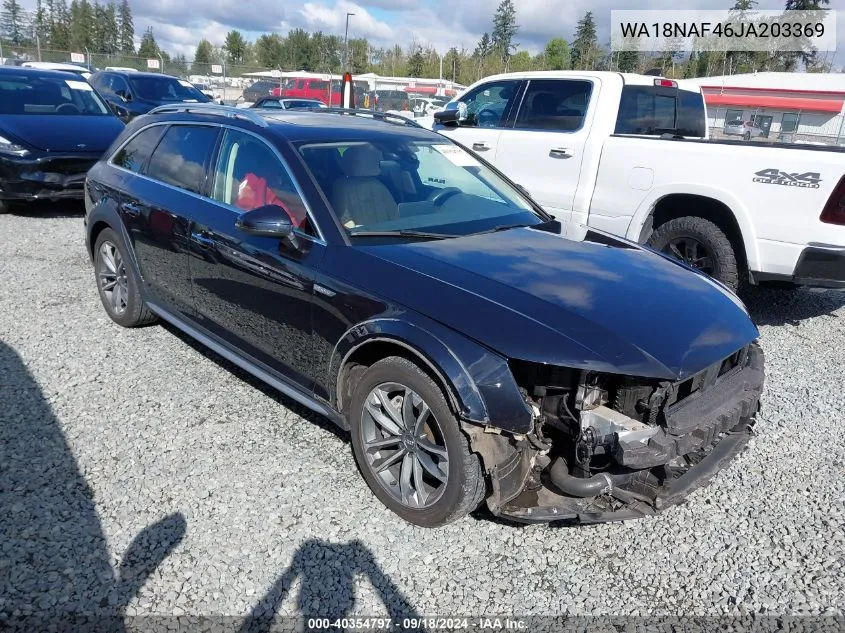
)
(160, 62)
(346, 43)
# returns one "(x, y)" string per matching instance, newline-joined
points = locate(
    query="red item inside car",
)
(253, 192)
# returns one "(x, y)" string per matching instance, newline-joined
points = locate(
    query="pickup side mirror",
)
(268, 221)
(452, 114)
(124, 95)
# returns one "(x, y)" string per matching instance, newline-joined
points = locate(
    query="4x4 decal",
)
(807, 180)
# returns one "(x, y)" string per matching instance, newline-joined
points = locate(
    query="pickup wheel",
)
(700, 244)
(409, 447)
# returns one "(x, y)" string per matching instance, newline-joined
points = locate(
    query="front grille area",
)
(698, 410)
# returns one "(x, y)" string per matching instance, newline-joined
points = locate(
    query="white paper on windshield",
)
(78, 85)
(191, 101)
(457, 156)
(187, 84)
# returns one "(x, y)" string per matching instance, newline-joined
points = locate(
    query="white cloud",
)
(178, 26)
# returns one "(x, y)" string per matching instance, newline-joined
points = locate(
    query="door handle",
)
(480, 146)
(560, 152)
(131, 209)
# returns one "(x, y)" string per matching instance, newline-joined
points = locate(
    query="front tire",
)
(409, 447)
(117, 283)
(747, 136)
(701, 244)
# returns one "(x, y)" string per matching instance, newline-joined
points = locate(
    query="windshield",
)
(404, 184)
(165, 89)
(39, 94)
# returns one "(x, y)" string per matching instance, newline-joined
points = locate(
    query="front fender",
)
(479, 382)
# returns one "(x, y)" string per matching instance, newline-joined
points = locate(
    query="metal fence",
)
(226, 80)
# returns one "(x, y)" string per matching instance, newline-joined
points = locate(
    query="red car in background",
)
(321, 89)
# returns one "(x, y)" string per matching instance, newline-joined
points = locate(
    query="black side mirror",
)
(452, 114)
(267, 221)
(124, 95)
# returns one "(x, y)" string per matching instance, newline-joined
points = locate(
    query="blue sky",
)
(178, 26)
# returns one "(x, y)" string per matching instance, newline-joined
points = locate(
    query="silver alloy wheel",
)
(111, 275)
(404, 445)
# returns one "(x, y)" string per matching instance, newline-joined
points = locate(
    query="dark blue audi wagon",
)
(475, 347)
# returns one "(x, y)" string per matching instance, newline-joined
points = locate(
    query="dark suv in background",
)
(390, 280)
(259, 89)
(130, 94)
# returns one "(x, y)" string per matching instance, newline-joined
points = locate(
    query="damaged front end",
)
(608, 447)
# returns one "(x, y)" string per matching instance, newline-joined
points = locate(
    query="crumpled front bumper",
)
(44, 178)
(701, 436)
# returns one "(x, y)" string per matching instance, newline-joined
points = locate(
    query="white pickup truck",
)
(630, 154)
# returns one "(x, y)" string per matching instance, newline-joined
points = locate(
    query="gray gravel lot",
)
(138, 472)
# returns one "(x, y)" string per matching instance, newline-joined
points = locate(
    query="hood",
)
(594, 302)
(58, 133)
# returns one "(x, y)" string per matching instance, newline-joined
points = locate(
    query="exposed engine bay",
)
(609, 447)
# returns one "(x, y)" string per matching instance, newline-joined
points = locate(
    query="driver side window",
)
(249, 175)
(488, 104)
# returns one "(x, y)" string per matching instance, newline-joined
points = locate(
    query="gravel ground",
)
(143, 475)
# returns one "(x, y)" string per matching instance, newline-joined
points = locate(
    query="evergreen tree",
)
(627, 61)
(204, 55)
(59, 26)
(81, 25)
(127, 29)
(41, 23)
(585, 46)
(415, 64)
(504, 30)
(557, 54)
(12, 21)
(235, 47)
(148, 49)
(269, 51)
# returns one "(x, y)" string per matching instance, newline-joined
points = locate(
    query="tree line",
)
(107, 29)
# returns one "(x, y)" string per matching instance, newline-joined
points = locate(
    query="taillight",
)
(834, 210)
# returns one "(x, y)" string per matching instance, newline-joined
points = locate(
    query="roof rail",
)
(374, 114)
(212, 109)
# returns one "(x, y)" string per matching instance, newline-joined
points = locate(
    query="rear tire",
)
(429, 483)
(117, 283)
(718, 258)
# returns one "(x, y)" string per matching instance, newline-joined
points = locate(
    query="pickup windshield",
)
(405, 187)
(653, 110)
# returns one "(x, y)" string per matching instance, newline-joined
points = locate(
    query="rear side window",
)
(133, 156)
(180, 159)
(554, 104)
(654, 110)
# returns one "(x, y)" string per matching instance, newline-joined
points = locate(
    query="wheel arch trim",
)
(645, 212)
(477, 380)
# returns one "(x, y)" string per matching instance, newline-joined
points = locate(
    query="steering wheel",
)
(439, 197)
(487, 117)
(68, 108)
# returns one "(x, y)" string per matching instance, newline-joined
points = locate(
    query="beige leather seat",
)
(359, 195)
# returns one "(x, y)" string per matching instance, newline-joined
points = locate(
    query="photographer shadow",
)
(327, 572)
(55, 570)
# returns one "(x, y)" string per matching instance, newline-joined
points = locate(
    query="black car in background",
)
(394, 282)
(385, 100)
(259, 89)
(131, 94)
(53, 128)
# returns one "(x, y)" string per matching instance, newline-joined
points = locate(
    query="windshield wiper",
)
(402, 233)
(502, 227)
